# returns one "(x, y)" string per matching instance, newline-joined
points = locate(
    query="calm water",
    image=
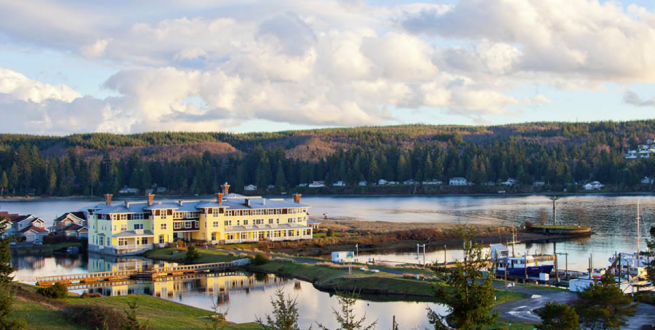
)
(612, 218)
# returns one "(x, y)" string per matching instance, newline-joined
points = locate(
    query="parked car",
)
(12, 243)
(38, 243)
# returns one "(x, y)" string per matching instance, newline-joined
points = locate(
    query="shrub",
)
(95, 317)
(57, 291)
(260, 259)
(91, 295)
(192, 254)
(330, 233)
(528, 224)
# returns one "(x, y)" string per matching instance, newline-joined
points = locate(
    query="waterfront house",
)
(631, 154)
(362, 183)
(458, 181)
(594, 185)
(28, 228)
(538, 183)
(317, 184)
(128, 190)
(134, 227)
(250, 187)
(71, 224)
(647, 180)
(432, 182)
(509, 182)
(382, 182)
(339, 184)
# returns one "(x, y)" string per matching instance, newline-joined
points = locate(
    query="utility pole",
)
(554, 210)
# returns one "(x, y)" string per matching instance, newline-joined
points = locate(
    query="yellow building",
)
(134, 227)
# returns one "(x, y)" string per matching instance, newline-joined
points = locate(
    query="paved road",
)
(521, 309)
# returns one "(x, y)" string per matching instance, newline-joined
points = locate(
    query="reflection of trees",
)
(542, 216)
(581, 216)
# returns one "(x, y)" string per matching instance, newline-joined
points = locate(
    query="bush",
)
(260, 259)
(528, 224)
(330, 233)
(192, 254)
(91, 295)
(95, 317)
(57, 291)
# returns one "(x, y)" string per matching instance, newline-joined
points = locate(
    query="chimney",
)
(181, 203)
(263, 201)
(226, 188)
(151, 197)
(108, 198)
(296, 198)
(247, 202)
(219, 198)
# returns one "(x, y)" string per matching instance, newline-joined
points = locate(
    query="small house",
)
(317, 184)
(594, 185)
(339, 184)
(458, 181)
(250, 187)
(343, 256)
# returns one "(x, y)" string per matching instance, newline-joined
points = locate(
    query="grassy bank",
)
(337, 279)
(44, 313)
(178, 255)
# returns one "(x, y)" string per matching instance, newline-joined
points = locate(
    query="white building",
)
(458, 181)
(362, 183)
(382, 182)
(647, 180)
(594, 185)
(631, 154)
(343, 256)
(317, 184)
(510, 182)
(339, 184)
(432, 182)
(250, 187)
(128, 190)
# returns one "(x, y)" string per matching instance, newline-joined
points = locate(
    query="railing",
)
(134, 247)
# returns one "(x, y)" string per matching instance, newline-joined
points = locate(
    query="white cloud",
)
(22, 88)
(214, 64)
(95, 49)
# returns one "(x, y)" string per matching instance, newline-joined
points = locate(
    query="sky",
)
(124, 66)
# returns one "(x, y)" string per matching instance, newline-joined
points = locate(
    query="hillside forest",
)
(559, 154)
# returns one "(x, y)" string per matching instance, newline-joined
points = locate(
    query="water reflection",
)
(247, 296)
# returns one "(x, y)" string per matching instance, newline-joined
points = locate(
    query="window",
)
(102, 240)
(245, 222)
(138, 226)
(278, 221)
(238, 222)
(163, 226)
(137, 216)
(213, 236)
(215, 212)
(161, 239)
(177, 225)
(227, 222)
(258, 221)
(270, 221)
(163, 215)
(215, 224)
(124, 227)
(123, 216)
(114, 228)
(187, 224)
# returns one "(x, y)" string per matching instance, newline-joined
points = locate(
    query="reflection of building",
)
(105, 263)
(211, 284)
(132, 228)
(29, 262)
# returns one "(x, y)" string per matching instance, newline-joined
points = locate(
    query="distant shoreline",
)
(191, 197)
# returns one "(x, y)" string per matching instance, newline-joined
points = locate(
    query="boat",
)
(633, 259)
(516, 265)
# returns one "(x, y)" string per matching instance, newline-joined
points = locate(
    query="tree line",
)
(557, 154)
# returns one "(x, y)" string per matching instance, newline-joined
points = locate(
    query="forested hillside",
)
(556, 153)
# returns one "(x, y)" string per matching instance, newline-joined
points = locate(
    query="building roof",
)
(132, 233)
(79, 216)
(458, 178)
(34, 228)
(74, 227)
(232, 201)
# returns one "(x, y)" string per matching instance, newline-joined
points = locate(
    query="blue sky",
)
(72, 66)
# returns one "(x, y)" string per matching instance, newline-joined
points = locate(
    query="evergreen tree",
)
(346, 318)
(4, 182)
(132, 323)
(285, 314)
(604, 306)
(280, 180)
(472, 299)
(556, 316)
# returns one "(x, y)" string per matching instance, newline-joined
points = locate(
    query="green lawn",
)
(178, 255)
(43, 313)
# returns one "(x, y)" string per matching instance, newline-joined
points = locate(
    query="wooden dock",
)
(87, 279)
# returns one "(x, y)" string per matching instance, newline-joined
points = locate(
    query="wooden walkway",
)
(87, 279)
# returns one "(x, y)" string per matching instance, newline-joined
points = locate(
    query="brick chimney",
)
(151, 197)
(108, 198)
(219, 198)
(226, 188)
(296, 198)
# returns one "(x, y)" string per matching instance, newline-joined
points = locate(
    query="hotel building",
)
(134, 227)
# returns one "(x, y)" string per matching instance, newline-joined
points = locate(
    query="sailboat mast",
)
(638, 232)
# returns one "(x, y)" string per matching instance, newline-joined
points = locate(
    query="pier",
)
(87, 279)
